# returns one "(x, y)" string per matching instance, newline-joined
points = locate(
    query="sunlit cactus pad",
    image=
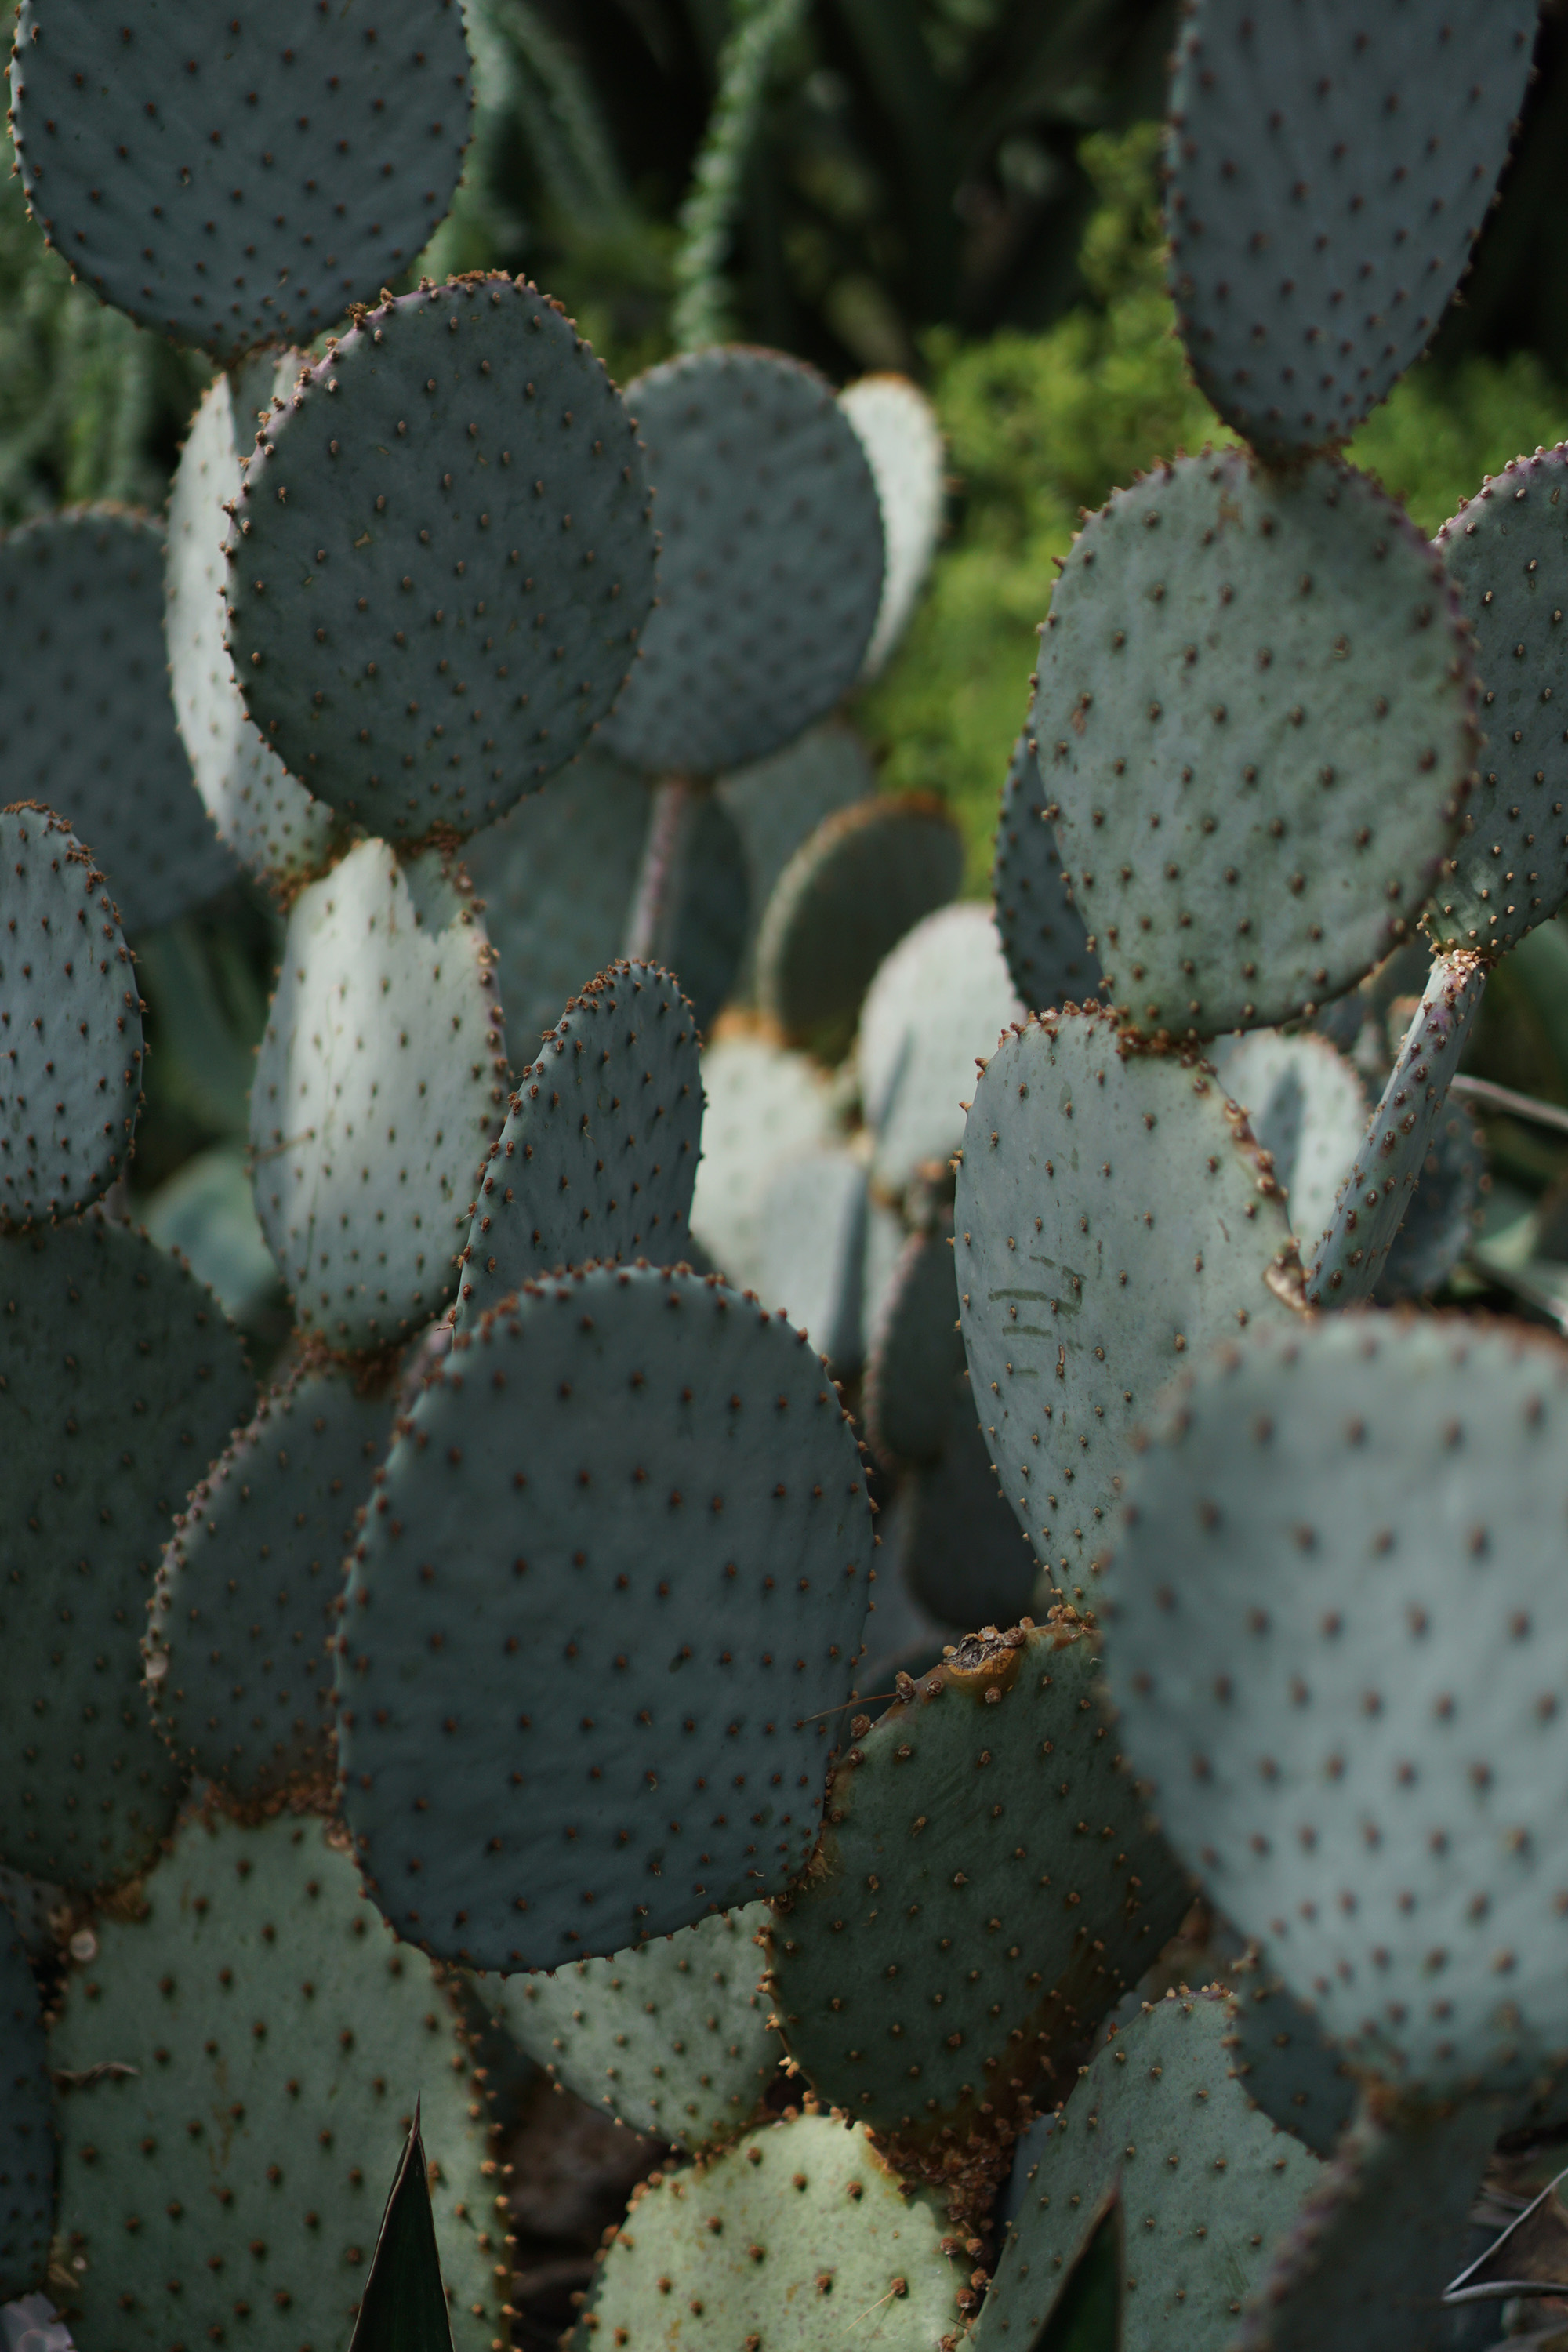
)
(1042, 932)
(902, 441)
(1305, 1104)
(71, 1024)
(936, 1007)
(234, 181)
(26, 2125)
(440, 558)
(609, 1593)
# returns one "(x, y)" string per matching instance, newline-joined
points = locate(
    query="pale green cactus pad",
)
(810, 1255)
(1283, 2064)
(1368, 1510)
(1304, 1104)
(902, 440)
(71, 1065)
(379, 1088)
(935, 1009)
(765, 1109)
(1042, 932)
(27, 2126)
(1257, 777)
(295, 163)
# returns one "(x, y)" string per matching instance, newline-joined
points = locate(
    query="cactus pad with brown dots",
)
(233, 181)
(985, 1893)
(70, 1027)
(770, 567)
(1254, 722)
(1043, 935)
(1283, 2064)
(239, 1666)
(799, 2237)
(27, 2126)
(1112, 1218)
(672, 2037)
(379, 1086)
(605, 1609)
(1507, 552)
(1206, 2184)
(1336, 1645)
(598, 1155)
(119, 1381)
(1329, 167)
(88, 728)
(242, 2056)
(440, 558)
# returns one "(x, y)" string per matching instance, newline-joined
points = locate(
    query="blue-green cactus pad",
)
(702, 923)
(778, 801)
(770, 568)
(1507, 552)
(1329, 169)
(206, 1211)
(582, 1683)
(270, 822)
(1443, 1212)
(1284, 2065)
(70, 1059)
(1111, 1216)
(1346, 1262)
(239, 1649)
(1304, 1104)
(378, 1091)
(119, 1383)
(27, 2126)
(89, 727)
(902, 440)
(598, 1155)
(232, 180)
(791, 2240)
(916, 1354)
(809, 1262)
(1042, 932)
(765, 1107)
(253, 2045)
(960, 1549)
(985, 1893)
(440, 558)
(1365, 1769)
(935, 1009)
(1257, 776)
(673, 2037)
(1206, 2184)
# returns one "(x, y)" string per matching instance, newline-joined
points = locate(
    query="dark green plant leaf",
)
(405, 2305)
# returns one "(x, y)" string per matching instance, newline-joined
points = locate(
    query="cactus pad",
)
(598, 1155)
(935, 1008)
(778, 801)
(89, 728)
(770, 568)
(583, 1684)
(765, 1107)
(917, 1353)
(238, 1649)
(672, 2037)
(898, 432)
(1206, 2185)
(70, 1063)
(1370, 1506)
(702, 916)
(271, 823)
(424, 647)
(326, 167)
(28, 2128)
(1285, 2067)
(984, 1893)
(119, 1382)
(1329, 171)
(959, 1547)
(1257, 778)
(1443, 1212)
(1042, 932)
(257, 2030)
(378, 1088)
(1111, 1215)
(810, 1263)
(791, 2239)
(1304, 1104)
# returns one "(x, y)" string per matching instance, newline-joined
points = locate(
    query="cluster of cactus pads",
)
(528, 1668)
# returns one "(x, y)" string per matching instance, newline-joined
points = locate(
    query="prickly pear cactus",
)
(1285, 2067)
(27, 2133)
(1042, 933)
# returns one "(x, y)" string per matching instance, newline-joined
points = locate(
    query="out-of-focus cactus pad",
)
(902, 440)
(1304, 1104)
(26, 2125)
(1285, 2067)
(1443, 1212)
(936, 1007)
(765, 1107)
(1042, 932)
(917, 1353)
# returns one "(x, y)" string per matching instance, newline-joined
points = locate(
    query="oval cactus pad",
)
(582, 1683)
(1257, 777)
(902, 440)
(70, 1025)
(234, 181)
(440, 558)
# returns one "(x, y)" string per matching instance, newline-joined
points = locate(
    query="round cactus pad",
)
(985, 1893)
(1507, 552)
(792, 2238)
(257, 2030)
(1111, 1216)
(672, 2037)
(440, 558)
(89, 728)
(935, 1008)
(28, 2128)
(239, 1649)
(271, 823)
(1371, 1507)
(1206, 2185)
(1257, 777)
(70, 1064)
(378, 1091)
(902, 441)
(119, 1383)
(1305, 1106)
(1042, 932)
(1329, 169)
(1285, 2067)
(598, 1155)
(770, 568)
(231, 180)
(615, 1573)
